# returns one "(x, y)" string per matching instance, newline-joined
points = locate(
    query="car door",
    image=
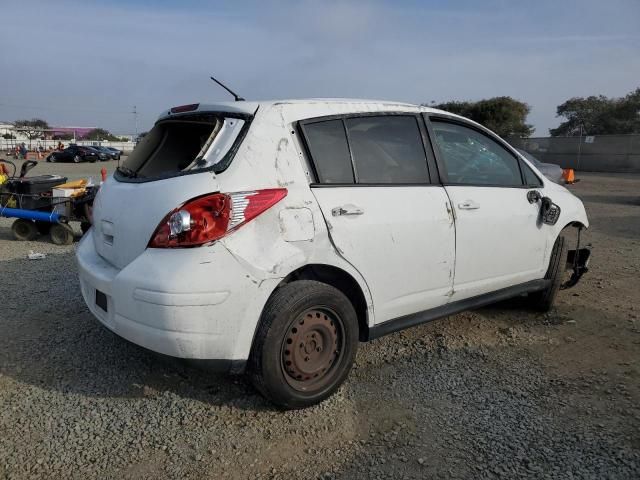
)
(500, 241)
(68, 153)
(384, 214)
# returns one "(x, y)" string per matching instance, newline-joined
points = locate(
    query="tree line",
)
(593, 115)
(36, 128)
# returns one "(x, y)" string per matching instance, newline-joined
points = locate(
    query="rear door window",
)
(387, 149)
(184, 144)
(328, 146)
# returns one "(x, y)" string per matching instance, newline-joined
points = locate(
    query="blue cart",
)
(30, 202)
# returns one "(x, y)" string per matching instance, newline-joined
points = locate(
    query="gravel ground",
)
(500, 392)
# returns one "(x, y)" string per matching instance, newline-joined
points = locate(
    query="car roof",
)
(355, 104)
(294, 110)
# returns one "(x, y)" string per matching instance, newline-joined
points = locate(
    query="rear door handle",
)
(346, 210)
(468, 205)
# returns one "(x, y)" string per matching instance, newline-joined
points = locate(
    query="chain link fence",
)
(601, 153)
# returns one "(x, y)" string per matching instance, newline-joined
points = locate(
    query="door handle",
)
(346, 210)
(468, 205)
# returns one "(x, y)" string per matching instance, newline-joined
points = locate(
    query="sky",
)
(88, 63)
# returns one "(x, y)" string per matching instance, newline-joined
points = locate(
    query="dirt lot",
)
(496, 393)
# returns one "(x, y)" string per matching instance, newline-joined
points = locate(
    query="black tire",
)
(85, 226)
(43, 227)
(51, 158)
(294, 374)
(543, 300)
(24, 230)
(77, 159)
(61, 234)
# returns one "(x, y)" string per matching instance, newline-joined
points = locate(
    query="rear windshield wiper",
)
(127, 172)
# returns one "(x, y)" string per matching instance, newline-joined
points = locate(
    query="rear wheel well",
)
(341, 280)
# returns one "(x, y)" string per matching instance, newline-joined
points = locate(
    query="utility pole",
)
(579, 147)
(135, 120)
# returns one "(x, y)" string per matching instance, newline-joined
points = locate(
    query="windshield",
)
(182, 144)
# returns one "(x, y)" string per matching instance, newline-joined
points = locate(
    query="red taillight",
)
(185, 108)
(208, 218)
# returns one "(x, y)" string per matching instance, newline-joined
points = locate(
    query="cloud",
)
(82, 63)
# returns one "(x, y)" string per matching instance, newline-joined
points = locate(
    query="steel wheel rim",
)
(312, 349)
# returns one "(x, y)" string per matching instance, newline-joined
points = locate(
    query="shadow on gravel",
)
(48, 338)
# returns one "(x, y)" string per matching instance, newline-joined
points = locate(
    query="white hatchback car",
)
(273, 236)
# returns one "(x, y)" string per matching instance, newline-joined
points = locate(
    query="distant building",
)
(8, 128)
(78, 132)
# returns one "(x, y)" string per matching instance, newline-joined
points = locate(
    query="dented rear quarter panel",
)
(293, 233)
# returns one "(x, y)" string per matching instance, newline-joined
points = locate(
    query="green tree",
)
(599, 115)
(504, 115)
(33, 128)
(101, 134)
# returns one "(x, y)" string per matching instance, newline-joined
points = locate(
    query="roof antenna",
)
(235, 95)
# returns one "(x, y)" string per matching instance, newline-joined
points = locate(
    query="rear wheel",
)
(77, 159)
(544, 299)
(61, 234)
(305, 344)
(24, 229)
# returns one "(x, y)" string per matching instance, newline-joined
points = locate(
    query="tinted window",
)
(329, 150)
(387, 149)
(471, 158)
(530, 178)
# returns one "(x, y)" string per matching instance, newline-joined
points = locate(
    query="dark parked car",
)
(106, 153)
(549, 170)
(75, 154)
(116, 152)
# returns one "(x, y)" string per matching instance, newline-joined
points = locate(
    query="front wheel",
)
(305, 344)
(544, 299)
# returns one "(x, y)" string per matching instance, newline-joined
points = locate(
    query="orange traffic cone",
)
(569, 175)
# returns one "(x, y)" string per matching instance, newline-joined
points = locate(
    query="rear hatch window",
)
(185, 144)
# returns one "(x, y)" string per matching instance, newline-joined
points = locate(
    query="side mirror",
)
(533, 196)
